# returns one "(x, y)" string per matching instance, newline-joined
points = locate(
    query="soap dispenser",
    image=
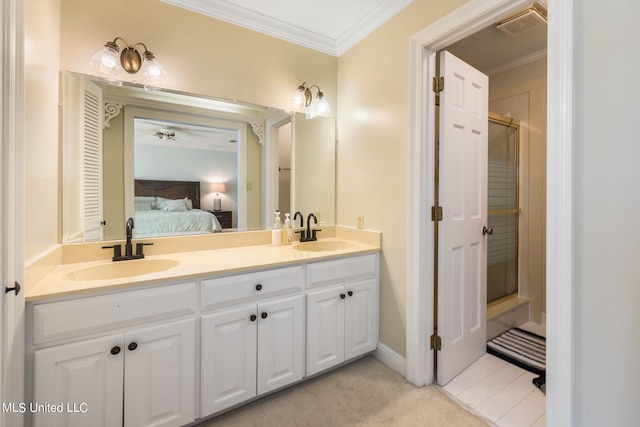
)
(276, 232)
(287, 233)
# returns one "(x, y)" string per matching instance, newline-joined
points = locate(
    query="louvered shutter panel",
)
(92, 162)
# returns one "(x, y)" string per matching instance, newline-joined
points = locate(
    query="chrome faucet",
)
(128, 247)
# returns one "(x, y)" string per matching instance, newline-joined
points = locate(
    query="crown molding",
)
(527, 59)
(369, 23)
(224, 11)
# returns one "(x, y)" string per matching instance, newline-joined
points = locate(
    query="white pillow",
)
(188, 203)
(172, 205)
(144, 203)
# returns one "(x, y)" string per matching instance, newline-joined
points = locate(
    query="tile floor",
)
(500, 392)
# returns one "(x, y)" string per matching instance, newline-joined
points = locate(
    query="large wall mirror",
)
(182, 164)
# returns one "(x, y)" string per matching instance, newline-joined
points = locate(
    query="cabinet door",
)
(361, 318)
(280, 343)
(86, 377)
(228, 358)
(159, 385)
(325, 328)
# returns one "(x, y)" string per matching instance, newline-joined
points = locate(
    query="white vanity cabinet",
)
(133, 376)
(257, 345)
(342, 311)
(168, 354)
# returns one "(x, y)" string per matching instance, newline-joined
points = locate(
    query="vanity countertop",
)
(60, 282)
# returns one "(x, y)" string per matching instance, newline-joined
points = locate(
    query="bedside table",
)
(224, 218)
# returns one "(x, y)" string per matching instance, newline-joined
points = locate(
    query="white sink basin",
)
(120, 269)
(323, 246)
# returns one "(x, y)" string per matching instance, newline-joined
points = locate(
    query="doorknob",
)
(486, 231)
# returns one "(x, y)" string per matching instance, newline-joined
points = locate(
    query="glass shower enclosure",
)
(504, 208)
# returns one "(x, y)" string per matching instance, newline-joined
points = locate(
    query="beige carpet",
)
(364, 393)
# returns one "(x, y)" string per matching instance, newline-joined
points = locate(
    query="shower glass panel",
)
(504, 212)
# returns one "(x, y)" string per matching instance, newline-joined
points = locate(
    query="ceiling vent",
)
(524, 21)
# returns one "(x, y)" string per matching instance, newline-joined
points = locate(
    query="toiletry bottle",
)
(287, 233)
(276, 232)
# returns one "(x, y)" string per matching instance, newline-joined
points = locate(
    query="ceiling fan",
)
(165, 133)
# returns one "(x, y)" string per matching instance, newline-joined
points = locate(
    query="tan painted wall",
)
(201, 54)
(373, 141)
(42, 212)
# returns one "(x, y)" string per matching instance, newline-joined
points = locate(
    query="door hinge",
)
(438, 84)
(436, 213)
(436, 342)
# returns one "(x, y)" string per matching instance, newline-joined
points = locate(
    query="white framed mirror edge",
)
(271, 163)
(133, 112)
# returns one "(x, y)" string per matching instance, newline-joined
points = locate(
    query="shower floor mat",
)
(522, 348)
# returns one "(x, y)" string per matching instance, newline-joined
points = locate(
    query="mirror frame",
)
(137, 111)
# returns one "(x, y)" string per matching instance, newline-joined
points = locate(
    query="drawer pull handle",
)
(264, 315)
(253, 317)
(132, 346)
(350, 293)
(258, 287)
(115, 350)
(342, 296)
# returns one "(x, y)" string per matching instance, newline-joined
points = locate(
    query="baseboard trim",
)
(391, 359)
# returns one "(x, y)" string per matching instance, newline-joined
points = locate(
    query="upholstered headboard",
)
(169, 189)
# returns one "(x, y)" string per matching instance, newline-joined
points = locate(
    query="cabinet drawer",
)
(64, 319)
(245, 287)
(341, 270)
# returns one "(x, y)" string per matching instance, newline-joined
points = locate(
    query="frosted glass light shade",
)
(107, 60)
(298, 98)
(321, 105)
(152, 72)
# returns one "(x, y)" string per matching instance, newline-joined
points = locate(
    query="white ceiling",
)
(329, 26)
(334, 26)
(186, 135)
(491, 51)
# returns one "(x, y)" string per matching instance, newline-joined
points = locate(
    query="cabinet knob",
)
(264, 315)
(132, 346)
(350, 293)
(115, 350)
(342, 296)
(258, 287)
(253, 317)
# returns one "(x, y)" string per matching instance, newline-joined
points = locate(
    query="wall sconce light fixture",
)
(303, 98)
(217, 187)
(110, 61)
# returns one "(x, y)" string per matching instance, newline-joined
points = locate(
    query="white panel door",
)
(87, 374)
(228, 358)
(361, 318)
(159, 387)
(325, 328)
(462, 297)
(280, 343)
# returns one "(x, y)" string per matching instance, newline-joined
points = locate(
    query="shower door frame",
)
(515, 123)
